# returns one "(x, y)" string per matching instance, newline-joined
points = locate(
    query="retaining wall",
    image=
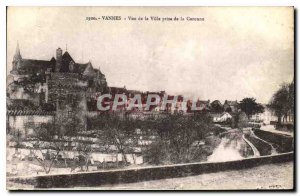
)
(147, 173)
(283, 143)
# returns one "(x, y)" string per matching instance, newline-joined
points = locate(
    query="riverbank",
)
(271, 128)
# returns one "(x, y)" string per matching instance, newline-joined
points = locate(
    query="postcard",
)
(150, 98)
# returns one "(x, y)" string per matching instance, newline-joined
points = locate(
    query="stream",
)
(232, 147)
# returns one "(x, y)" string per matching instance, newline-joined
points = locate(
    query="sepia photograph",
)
(150, 98)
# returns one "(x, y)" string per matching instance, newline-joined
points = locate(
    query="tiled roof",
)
(80, 67)
(97, 71)
(30, 66)
(89, 70)
(29, 113)
(66, 59)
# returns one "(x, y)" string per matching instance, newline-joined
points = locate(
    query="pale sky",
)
(235, 53)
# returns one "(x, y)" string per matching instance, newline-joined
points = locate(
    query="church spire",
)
(17, 55)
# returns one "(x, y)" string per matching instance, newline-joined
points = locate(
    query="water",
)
(232, 147)
(228, 150)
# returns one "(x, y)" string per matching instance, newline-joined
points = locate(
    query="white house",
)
(266, 117)
(221, 117)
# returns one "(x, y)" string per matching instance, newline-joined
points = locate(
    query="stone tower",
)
(58, 60)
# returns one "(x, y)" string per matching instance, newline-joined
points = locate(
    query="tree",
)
(50, 139)
(250, 107)
(46, 145)
(216, 107)
(282, 101)
(291, 99)
(117, 131)
(240, 120)
(178, 136)
(228, 109)
(163, 139)
(85, 150)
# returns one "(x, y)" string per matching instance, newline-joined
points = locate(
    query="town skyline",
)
(189, 96)
(179, 64)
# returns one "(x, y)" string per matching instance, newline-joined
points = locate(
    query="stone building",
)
(59, 85)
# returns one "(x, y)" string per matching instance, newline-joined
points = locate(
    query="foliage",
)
(250, 107)
(228, 109)
(178, 138)
(283, 101)
(175, 137)
(216, 107)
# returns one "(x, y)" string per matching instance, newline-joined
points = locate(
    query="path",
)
(271, 128)
(254, 149)
(273, 176)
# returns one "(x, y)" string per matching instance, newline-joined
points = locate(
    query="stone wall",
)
(24, 123)
(98, 178)
(282, 143)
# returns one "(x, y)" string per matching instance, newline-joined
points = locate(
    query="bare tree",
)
(84, 148)
(117, 131)
(44, 142)
(51, 139)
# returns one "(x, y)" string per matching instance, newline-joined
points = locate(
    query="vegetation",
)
(164, 139)
(177, 137)
(240, 120)
(117, 131)
(46, 136)
(282, 102)
(49, 140)
(217, 107)
(250, 107)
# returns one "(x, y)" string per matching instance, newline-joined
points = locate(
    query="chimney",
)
(58, 60)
